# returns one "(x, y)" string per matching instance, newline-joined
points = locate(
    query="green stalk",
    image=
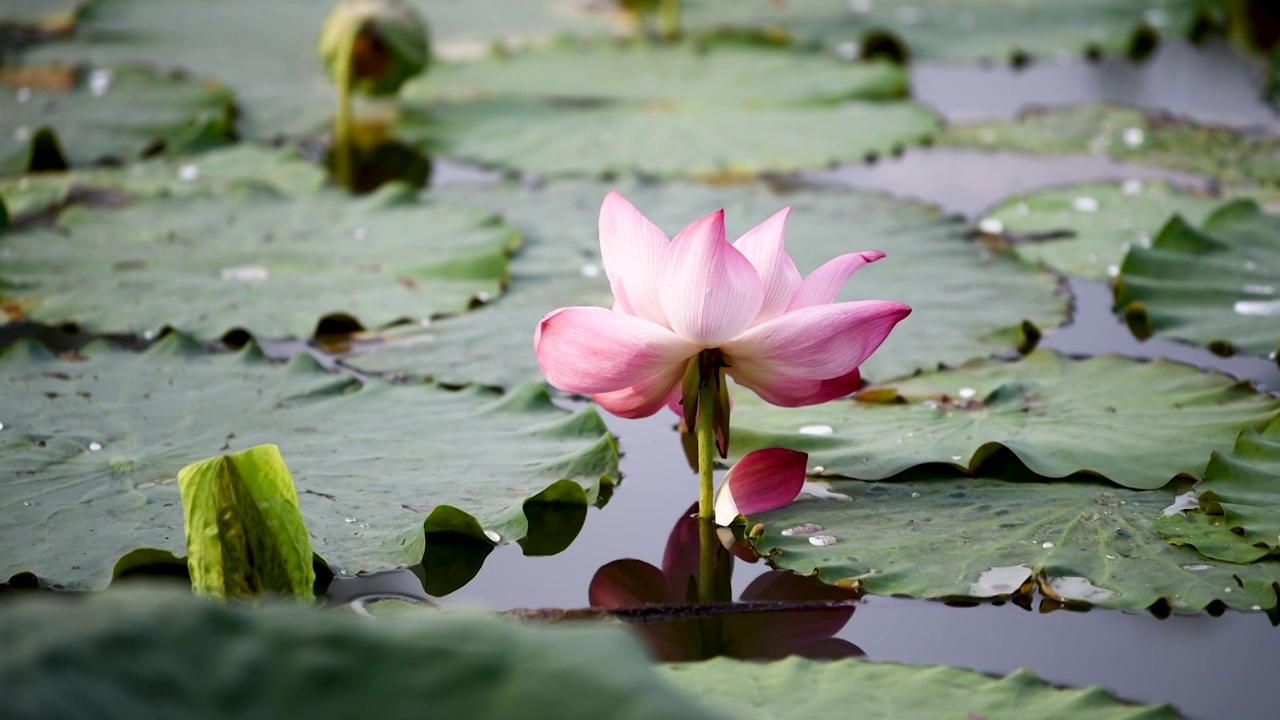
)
(342, 130)
(706, 490)
(669, 19)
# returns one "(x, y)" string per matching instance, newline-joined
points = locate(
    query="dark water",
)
(1208, 667)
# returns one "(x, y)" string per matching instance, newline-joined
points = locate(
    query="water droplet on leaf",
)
(805, 529)
(816, 430)
(100, 82)
(822, 540)
(189, 172)
(991, 226)
(493, 536)
(95, 446)
(1085, 204)
(245, 273)
(1133, 137)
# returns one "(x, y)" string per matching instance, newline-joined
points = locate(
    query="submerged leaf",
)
(245, 535)
(1138, 424)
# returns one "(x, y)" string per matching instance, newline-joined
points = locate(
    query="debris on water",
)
(1184, 502)
(1085, 204)
(1078, 588)
(1195, 568)
(991, 226)
(822, 540)
(1133, 137)
(245, 273)
(1131, 187)
(590, 270)
(1264, 308)
(966, 393)
(100, 82)
(95, 446)
(189, 172)
(816, 430)
(804, 529)
(493, 536)
(996, 581)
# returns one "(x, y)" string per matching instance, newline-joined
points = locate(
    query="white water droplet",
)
(1113, 271)
(1000, 581)
(245, 273)
(1085, 204)
(348, 520)
(360, 233)
(148, 334)
(189, 172)
(1131, 187)
(1046, 545)
(590, 270)
(1261, 308)
(822, 540)
(483, 296)
(915, 494)
(1111, 557)
(1133, 137)
(1195, 568)
(1255, 607)
(1, 426)
(956, 458)
(22, 133)
(816, 430)
(966, 393)
(100, 82)
(23, 94)
(805, 529)
(991, 226)
(1144, 239)
(493, 536)
(95, 446)
(847, 51)
(1226, 590)
(818, 469)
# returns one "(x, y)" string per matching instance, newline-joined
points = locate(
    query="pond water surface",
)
(1209, 667)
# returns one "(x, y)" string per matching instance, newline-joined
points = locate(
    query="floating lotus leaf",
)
(933, 534)
(975, 302)
(214, 172)
(90, 452)
(113, 114)
(596, 108)
(1138, 424)
(280, 85)
(799, 687)
(1101, 221)
(101, 657)
(1215, 286)
(1242, 487)
(964, 29)
(1129, 135)
(258, 261)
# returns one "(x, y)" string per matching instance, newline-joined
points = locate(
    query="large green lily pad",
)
(90, 452)
(1104, 220)
(962, 29)
(973, 303)
(798, 687)
(1144, 137)
(1214, 286)
(595, 108)
(280, 86)
(114, 114)
(1243, 486)
(257, 261)
(102, 657)
(214, 172)
(1138, 424)
(933, 534)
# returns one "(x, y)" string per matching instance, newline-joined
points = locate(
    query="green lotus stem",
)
(706, 490)
(342, 131)
(669, 18)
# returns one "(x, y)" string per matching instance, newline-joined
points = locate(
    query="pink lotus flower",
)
(775, 333)
(763, 480)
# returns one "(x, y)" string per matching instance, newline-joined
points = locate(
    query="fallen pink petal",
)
(764, 480)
